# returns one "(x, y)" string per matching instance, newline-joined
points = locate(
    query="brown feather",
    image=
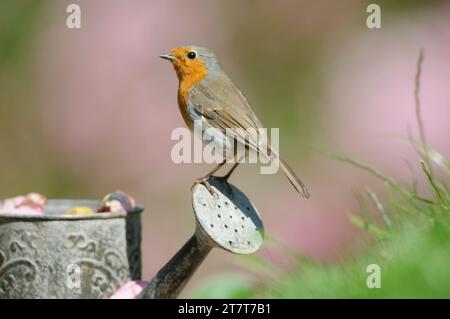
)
(224, 106)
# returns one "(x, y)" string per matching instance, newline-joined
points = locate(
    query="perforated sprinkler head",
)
(226, 219)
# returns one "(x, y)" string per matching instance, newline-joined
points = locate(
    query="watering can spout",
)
(228, 221)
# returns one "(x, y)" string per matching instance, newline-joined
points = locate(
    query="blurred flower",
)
(31, 204)
(130, 290)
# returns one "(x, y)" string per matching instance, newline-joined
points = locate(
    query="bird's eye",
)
(192, 55)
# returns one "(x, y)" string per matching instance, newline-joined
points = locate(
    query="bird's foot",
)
(204, 180)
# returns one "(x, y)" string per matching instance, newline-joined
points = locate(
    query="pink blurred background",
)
(87, 111)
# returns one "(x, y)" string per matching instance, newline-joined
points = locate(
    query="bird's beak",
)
(167, 57)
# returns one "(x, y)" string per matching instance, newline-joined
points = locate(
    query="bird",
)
(207, 94)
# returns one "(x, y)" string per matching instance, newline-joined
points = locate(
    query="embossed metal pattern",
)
(60, 256)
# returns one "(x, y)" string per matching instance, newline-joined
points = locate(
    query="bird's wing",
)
(223, 106)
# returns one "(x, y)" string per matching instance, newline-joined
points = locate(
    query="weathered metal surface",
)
(172, 278)
(63, 256)
(227, 220)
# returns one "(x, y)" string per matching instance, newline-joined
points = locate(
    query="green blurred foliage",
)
(19, 22)
(225, 286)
(413, 265)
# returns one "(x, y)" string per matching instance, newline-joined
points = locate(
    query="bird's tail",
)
(294, 179)
(299, 186)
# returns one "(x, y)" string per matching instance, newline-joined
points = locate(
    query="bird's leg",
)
(227, 175)
(225, 178)
(204, 179)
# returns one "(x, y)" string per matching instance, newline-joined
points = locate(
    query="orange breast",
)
(182, 105)
(188, 79)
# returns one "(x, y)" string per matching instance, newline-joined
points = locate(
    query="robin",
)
(207, 94)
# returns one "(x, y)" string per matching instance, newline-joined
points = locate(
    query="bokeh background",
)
(84, 112)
